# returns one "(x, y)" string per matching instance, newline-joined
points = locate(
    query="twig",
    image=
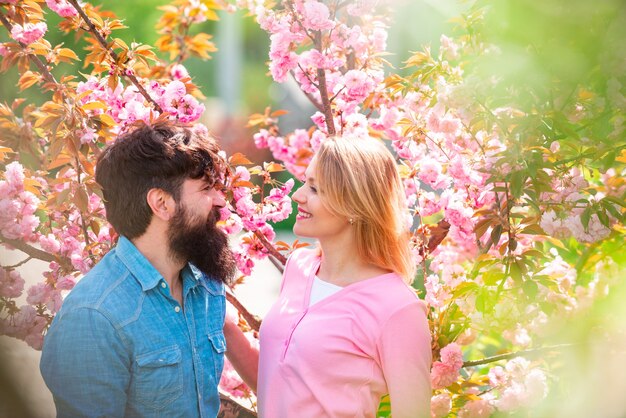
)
(308, 95)
(94, 31)
(270, 248)
(523, 353)
(252, 320)
(21, 263)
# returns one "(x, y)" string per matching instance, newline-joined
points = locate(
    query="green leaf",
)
(493, 277)
(530, 289)
(584, 218)
(515, 272)
(619, 202)
(496, 232)
(481, 302)
(610, 207)
(604, 218)
(518, 178)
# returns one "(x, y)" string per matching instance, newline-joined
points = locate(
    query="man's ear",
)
(162, 204)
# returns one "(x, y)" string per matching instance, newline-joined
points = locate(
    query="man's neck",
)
(153, 246)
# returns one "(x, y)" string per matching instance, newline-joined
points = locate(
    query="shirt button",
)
(163, 285)
(177, 309)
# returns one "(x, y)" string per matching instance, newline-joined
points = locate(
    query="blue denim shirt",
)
(121, 345)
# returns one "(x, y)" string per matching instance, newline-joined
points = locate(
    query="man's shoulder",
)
(107, 287)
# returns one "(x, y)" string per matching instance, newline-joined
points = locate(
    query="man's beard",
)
(202, 244)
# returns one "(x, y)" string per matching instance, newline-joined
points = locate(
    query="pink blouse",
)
(337, 357)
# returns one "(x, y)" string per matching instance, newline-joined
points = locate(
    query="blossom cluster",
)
(247, 214)
(62, 7)
(230, 381)
(519, 384)
(446, 370)
(567, 193)
(28, 33)
(324, 52)
(126, 105)
(17, 205)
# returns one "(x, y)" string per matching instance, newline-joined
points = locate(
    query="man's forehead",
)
(201, 182)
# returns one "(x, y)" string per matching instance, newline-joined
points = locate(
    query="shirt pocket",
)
(158, 380)
(218, 348)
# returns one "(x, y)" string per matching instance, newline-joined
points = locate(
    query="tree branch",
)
(229, 408)
(28, 249)
(94, 31)
(270, 248)
(523, 353)
(323, 88)
(252, 320)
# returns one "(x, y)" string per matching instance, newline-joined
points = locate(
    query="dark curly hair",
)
(161, 156)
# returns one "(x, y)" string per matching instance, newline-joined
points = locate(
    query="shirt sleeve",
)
(85, 365)
(405, 349)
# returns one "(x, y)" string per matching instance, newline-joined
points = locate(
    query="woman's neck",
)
(341, 264)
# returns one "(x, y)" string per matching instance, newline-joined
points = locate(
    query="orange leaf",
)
(94, 105)
(68, 53)
(28, 79)
(80, 199)
(279, 112)
(274, 167)
(106, 119)
(239, 159)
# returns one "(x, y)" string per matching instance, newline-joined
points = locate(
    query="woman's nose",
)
(298, 196)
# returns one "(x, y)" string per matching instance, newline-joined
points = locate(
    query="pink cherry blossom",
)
(11, 284)
(443, 375)
(49, 243)
(358, 85)
(62, 7)
(480, 408)
(179, 72)
(451, 354)
(440, 405)
(29, 32)
(14, 176)
(316, 15)
(446, 371)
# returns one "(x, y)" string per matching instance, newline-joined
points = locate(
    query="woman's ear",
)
(162, 203)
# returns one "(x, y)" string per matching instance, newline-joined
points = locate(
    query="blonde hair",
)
(358, 179)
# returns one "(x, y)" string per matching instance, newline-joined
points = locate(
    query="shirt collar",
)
(213, 286)
(138, 265)
(149, 277)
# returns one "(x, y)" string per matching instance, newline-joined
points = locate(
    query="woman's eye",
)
(313, 189)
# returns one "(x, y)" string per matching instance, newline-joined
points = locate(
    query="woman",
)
(347, 328)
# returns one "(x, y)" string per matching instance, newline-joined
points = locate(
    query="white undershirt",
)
(321, 290)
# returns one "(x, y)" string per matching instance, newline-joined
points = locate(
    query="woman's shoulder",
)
(300, 264)
(396, 294)
(303, 256)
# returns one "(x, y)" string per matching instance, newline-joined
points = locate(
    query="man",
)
(142, 333)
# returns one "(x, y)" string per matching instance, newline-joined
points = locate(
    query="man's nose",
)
(219, 200)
